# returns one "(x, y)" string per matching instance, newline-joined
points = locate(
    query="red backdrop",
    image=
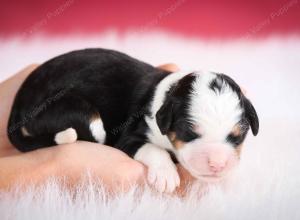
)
(231, 18)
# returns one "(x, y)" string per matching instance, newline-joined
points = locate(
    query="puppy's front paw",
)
(164, 177)
(162, 172)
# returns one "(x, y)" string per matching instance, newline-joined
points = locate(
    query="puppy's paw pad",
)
(67, 136)
(164, 178)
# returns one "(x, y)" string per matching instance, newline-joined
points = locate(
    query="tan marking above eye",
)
(25, 132)
(172, 136)
(175, 142)
(236, 131)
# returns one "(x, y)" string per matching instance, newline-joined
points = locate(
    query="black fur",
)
(173, 115)
(69, 89)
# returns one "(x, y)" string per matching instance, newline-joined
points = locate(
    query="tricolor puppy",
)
(199, 119)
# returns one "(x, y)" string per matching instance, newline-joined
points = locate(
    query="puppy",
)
(199, 119)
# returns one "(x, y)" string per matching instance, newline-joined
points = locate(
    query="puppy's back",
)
(69, 90)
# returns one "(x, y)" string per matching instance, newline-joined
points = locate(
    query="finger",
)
(185, 180)
(244, 91)
(169, 67)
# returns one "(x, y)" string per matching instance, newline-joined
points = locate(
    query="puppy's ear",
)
(164, 117)
(251, 115)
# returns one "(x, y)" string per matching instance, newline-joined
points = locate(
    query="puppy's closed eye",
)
(234, 139)
(188, 136)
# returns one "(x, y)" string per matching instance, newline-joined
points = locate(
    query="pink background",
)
(209, 19)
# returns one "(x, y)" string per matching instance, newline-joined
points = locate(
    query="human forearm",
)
(33, 167)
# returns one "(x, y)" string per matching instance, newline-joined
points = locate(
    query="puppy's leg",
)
(62, 121)
(162, 172)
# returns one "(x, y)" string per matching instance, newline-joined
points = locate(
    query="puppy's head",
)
(206, 117)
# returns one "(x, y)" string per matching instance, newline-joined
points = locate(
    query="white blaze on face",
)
(214, 115)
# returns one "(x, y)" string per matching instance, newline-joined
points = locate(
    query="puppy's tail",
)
(63, 122)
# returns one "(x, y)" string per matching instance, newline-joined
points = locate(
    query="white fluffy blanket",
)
(268, 182)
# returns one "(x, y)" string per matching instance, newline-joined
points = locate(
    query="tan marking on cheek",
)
(94, 117)
(238, 150)
(178, 144)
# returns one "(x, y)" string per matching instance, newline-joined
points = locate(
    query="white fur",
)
(162, 172)
(267, 186)
(214, 112)
(67, 136)
(97, 130)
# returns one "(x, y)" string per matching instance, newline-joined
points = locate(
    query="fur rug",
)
(267, 185)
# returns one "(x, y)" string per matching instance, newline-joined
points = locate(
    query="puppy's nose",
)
(217, 160)
(216, 167)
